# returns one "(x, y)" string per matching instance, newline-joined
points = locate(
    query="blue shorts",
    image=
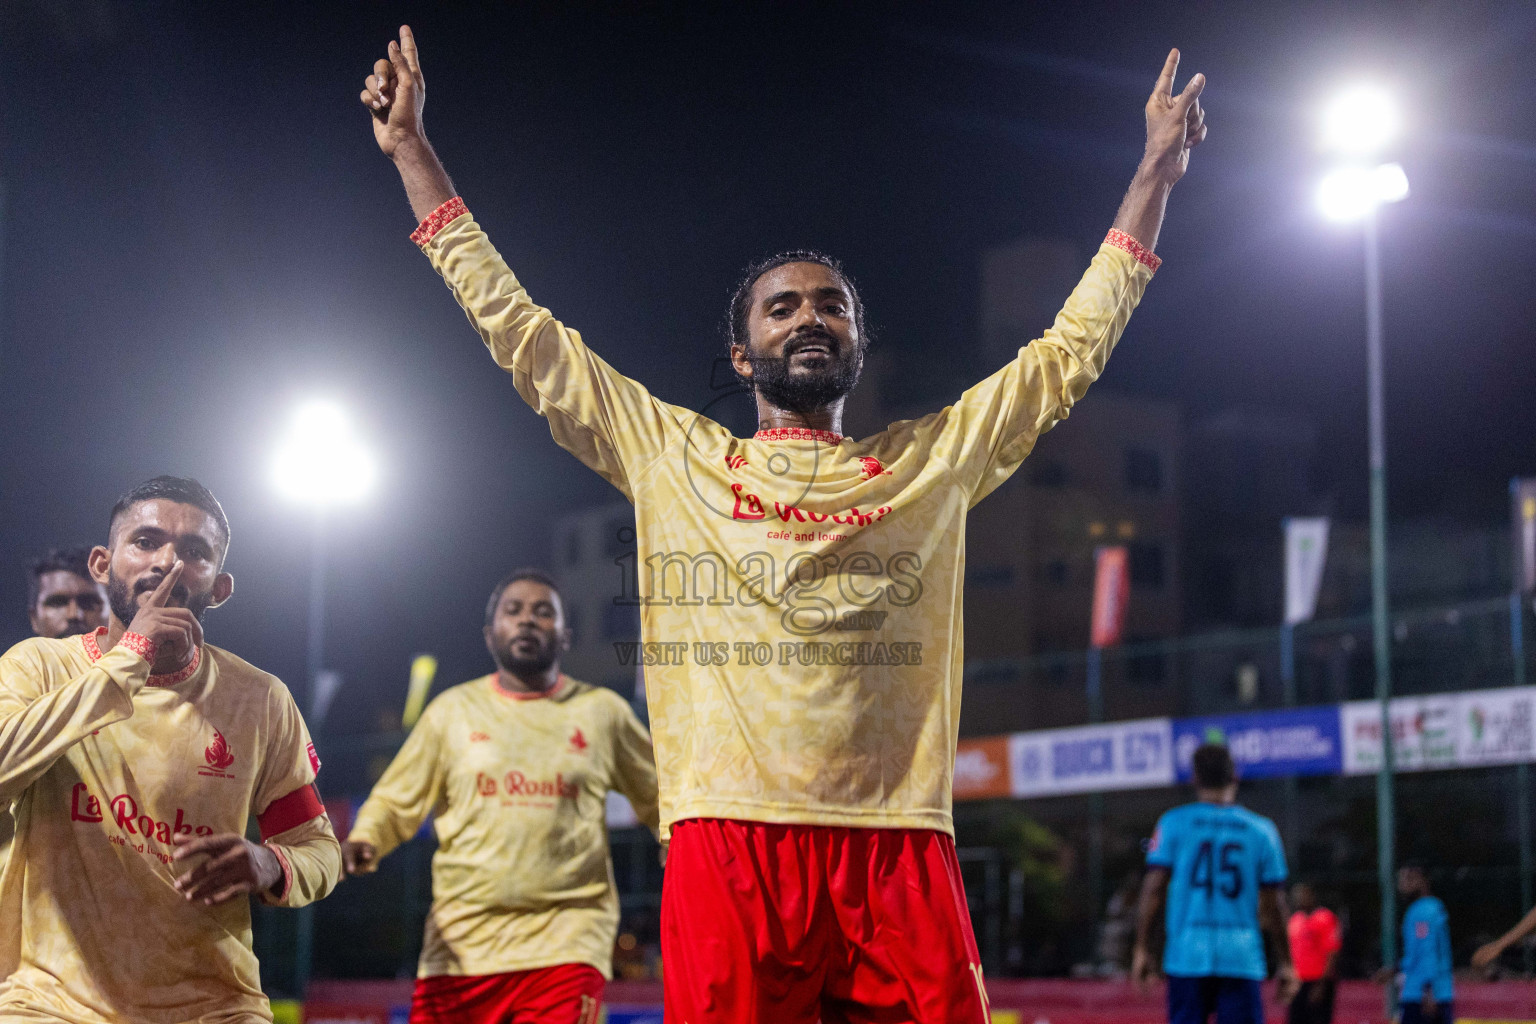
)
(1232, 1000)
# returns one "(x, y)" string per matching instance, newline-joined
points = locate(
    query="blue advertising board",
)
(1266, 744)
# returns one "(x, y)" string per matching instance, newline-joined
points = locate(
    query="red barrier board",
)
(1026, 1001)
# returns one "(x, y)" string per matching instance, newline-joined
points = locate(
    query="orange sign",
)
(981, 769)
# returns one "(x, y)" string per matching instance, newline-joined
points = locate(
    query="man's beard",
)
(124, 599)
(807, 390)
(533, 665)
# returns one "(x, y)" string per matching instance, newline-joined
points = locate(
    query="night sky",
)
(198, 231)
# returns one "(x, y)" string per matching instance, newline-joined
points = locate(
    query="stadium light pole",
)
(320, 464)
(1358, 123)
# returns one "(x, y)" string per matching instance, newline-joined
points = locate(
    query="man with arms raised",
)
(805, 773)
(516, 766)
(133, 757)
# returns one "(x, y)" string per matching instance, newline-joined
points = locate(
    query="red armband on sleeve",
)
(289, 811)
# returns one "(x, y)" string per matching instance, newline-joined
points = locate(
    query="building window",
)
(1054, 573)
(989, 576)
(620, 621)
(1048, 473)
(1146, 558)
(1143, 470)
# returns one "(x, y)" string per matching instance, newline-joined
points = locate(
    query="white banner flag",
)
(1306, 551)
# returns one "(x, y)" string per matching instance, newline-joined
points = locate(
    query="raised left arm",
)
(1175, 125)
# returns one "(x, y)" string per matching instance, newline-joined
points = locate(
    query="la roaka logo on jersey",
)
(478, 737)
(127, 816)
(749, 507)
(218, 757)
(516, 784)
(578, 742)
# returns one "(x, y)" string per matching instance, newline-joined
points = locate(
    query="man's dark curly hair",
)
(526, 573)
(73, 560)
(741, 298)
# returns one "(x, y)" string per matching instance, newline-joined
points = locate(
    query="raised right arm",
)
(395, 94)
(606, 420)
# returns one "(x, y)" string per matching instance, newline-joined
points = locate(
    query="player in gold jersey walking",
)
(805, 773)
(516, 766)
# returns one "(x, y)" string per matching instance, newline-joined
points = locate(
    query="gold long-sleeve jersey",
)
(102, 765)
(800, 592)
(518, 784)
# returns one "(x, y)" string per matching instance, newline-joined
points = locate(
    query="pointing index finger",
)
(1164, 85)
(408, 47)
(162, 593)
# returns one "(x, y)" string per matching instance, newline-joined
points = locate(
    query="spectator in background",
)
(1426, 965)
(1314, 936)
(62, 599)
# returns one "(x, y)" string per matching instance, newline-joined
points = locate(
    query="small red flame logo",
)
(217, 753)
(578, 742)
(872, 467)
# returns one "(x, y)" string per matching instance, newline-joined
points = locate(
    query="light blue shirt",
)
(1218, 857)
(1427, 951)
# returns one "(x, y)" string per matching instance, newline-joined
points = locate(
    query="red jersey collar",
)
(519, 695)
(181, 675)
(798, 434)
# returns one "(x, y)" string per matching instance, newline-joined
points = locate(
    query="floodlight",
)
(1360, 120)
(320, 460)
(1350, 193)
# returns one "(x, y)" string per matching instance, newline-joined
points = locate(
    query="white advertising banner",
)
(1306, 552)
(1114, 756)
(1497, 727)
(1448, 730)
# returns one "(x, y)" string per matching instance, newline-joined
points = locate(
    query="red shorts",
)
(564, 994)
(790, 924)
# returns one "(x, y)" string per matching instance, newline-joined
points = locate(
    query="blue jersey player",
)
(1425, 969)
(1220, 871)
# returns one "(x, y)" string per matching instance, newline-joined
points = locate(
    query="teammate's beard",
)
(807, 390)
(123, 598)
(525, 668)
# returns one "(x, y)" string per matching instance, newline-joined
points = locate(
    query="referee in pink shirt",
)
(1314, 935)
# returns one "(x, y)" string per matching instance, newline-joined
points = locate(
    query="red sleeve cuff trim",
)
(439, 219)
(290, 811)
(282, 858)
(1120, 240)
(141, 645)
